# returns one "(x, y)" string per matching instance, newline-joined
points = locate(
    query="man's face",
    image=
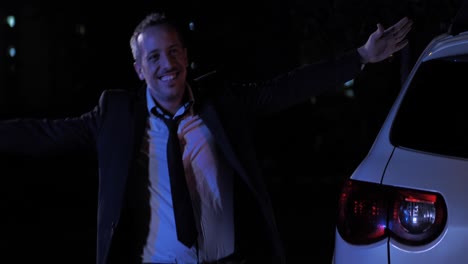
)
(163, 65)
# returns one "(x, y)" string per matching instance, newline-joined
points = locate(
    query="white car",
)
(407, 201)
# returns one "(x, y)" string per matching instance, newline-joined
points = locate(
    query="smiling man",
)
(178, 176)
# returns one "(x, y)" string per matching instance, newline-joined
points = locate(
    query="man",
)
(233, 220)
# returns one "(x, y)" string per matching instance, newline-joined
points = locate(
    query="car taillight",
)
(369, 212)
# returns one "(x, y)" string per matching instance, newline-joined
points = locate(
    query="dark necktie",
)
(183, 211)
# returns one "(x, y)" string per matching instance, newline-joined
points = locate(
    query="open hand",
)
(382, 43)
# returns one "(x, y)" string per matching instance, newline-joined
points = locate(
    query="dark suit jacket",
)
(113, 131)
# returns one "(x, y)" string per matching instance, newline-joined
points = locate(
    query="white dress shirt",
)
(210, 186)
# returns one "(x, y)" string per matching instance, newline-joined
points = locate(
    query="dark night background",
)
(68, 52)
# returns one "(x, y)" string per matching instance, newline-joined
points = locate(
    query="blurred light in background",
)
(349, 92)
(11, 51)
(81, 29)
(11, 21)
(349, 83)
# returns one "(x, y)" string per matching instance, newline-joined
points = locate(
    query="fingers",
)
(402, 22)
(398, 36)
(403, 31)
(399, 24)
(400, 45)
(404, 25)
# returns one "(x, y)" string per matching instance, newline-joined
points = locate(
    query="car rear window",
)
(433, 115)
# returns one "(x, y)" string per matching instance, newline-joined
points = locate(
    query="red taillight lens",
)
(369, 212)
(362, 212)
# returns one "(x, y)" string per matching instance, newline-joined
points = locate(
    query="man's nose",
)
(166, 60)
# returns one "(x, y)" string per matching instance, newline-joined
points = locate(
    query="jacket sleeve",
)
(295, 86)
(40, 137)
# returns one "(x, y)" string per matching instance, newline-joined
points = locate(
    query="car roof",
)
(454, 41)
(447, 45)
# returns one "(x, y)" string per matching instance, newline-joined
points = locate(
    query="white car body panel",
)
(351, 254)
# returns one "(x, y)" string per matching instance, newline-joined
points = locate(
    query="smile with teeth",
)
(168, 77)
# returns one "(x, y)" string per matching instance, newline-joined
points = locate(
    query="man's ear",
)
(138, 71)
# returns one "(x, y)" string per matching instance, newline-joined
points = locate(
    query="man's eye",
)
(154, 57)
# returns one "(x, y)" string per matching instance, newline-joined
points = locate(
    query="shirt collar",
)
(184, 109)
